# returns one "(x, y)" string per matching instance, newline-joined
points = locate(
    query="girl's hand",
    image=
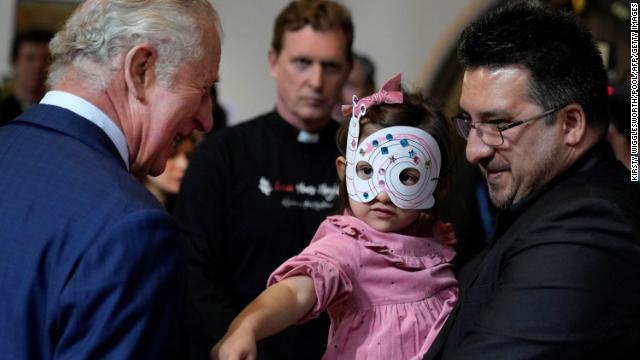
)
(238, 345)
(279, 306)
(444, 232)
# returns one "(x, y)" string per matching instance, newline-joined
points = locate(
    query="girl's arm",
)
(278, 307)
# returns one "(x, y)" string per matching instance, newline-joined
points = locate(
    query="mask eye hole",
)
(409, 176)
(364, 170)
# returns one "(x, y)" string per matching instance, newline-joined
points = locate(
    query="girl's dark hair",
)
(414, 111)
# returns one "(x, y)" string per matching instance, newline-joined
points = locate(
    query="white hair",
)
(97, 36)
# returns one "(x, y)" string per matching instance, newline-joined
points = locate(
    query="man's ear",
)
(574, 124)
(341, 167)
(272, 57)
(139, 69)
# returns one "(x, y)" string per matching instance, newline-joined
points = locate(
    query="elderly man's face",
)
(531, 152)
(310, 72)
(173, 112)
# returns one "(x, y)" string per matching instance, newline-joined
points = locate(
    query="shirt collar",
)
(92, 113)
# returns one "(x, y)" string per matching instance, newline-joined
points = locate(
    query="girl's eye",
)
(409, 176)
(364, 170)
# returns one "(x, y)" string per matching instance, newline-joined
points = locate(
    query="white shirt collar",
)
(92, 113)
(308, 138)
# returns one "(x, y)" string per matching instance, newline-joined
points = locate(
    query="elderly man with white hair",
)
(90, 264)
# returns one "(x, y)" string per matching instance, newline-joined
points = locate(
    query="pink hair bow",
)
(390, 93)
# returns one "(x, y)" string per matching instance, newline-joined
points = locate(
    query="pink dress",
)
(387, 294)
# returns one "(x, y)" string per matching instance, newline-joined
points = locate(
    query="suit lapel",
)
(69, 123)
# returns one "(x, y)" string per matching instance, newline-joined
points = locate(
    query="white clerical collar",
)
(308, 138)
(92, 113)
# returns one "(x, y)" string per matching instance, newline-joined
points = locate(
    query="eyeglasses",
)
(490, 132)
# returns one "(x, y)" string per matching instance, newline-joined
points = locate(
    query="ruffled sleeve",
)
(330, 261)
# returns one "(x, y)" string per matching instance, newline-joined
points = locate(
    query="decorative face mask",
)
(403, 161)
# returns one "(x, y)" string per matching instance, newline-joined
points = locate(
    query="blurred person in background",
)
(255, 193)
(361, 82)
(92, 265)
(165, 186)
(30, 59)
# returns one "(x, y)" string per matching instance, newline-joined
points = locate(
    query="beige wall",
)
(407, 36)
(399, 36)
(7, 14)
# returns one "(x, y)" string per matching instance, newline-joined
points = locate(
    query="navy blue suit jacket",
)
(90, 264)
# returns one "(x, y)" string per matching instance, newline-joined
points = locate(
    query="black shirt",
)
(253, 196)
(559, 280)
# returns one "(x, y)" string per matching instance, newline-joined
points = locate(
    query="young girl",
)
(380, 270)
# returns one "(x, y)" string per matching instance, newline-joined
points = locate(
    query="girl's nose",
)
(383, 197)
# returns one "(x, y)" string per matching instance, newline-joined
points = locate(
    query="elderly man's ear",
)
(139, 70)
